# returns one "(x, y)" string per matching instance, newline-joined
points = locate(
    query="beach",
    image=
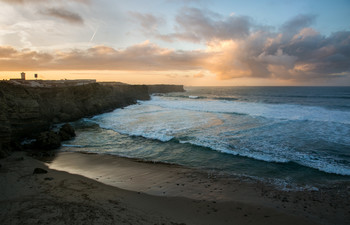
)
(192, 112)
(254, 155)
(140, 192)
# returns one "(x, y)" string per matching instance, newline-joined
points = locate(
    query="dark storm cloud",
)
(320, 55)
(296, 51)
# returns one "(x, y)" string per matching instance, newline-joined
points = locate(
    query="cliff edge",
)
(27, 111)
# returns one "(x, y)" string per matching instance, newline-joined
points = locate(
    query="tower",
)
(23, 76)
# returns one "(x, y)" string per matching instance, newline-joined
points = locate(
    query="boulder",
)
(39, 171)
(66, 132)
(48, 140)
(3, 152)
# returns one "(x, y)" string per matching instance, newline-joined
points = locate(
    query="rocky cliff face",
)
(26, 111)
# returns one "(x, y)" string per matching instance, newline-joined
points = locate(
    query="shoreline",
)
(146, 193)
(26, 111)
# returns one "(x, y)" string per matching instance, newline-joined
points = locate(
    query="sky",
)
(190, 42)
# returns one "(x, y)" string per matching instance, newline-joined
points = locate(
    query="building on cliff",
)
(23, 77)
(51, 83)
(48, 83)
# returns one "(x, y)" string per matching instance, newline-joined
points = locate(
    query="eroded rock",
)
(66, 132)
(39, 171)
(48, 140)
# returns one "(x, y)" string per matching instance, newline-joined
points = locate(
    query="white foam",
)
(75, 146)
(269, 140)
(275, 111)
(239, 152)
(150, 122)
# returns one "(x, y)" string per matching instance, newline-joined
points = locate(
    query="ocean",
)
(291, 137)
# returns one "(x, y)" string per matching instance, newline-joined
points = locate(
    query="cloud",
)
(64, 14)
(198, 25)
(144, 56)
(235, 47)
(13, 59)
(268, 55)
(53, 8)
(297, 23)
(201, 74)
(239, 47)
(147, 21)
(6, 51)
(195, 25)
(305, 56)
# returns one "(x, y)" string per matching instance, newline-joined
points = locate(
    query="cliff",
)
(27, 111)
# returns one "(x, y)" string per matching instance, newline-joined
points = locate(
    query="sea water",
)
(289, 136)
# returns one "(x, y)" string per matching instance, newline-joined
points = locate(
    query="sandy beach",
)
(100, 189)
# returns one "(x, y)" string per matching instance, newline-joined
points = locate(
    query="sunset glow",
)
(220, 43)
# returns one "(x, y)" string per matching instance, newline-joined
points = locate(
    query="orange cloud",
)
(226, 60)
(199, 75)
(12, 59)
(144, 56)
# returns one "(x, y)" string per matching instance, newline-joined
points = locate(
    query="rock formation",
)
(28, 111)
(66, 132)
(47, 140)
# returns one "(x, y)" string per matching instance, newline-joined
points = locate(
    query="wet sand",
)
(101, 189)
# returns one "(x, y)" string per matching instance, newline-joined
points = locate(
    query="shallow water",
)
(282, 135)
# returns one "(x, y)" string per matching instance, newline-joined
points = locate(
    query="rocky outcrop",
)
(39, 171)
(165, 88)
(66, 132)
(47, 140)
(27, 111)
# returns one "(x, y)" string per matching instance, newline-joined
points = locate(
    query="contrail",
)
(92, 38)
